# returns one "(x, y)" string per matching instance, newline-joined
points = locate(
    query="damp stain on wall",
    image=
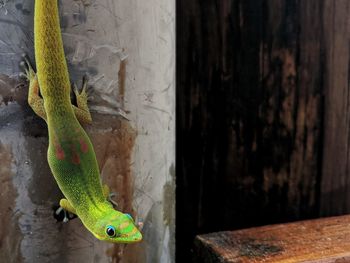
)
(113, 139)
(121, 82)
(10, 237)
(169, 206)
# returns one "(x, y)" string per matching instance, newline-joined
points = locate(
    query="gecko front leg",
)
(66, 207)
(82, 112)
(109, 195)
(37, 103)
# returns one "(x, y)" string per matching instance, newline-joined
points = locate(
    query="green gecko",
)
(71, 156)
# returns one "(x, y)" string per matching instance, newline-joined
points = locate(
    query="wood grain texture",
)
(336, 159)
(324, 240)
(250, 87)
(262, 113)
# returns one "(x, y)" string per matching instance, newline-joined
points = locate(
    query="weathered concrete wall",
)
(127, 48)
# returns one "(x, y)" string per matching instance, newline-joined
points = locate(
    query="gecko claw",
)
(59, 210)
(23, 64)
(22, 75)
(88, 90)
(65, 219)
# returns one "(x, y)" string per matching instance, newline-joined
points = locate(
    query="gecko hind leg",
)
(34, 99)
(82, 111)
(109, 195)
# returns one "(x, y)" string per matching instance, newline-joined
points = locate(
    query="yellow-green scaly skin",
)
(70, 154)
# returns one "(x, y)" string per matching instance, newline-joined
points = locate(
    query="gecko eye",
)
(130, 217)
(110, 231)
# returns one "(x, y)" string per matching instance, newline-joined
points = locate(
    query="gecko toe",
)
(65, 219)
(22, 64)
(22, 75)
(29, 72)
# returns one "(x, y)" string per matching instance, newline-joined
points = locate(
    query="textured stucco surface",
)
(127, 49)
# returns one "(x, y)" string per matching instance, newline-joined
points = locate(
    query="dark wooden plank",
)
(323, 240)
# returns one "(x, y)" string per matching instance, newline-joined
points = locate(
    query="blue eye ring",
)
(130, 217)
(110, 231)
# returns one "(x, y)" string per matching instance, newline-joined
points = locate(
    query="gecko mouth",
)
(124, 238)
(129, 239)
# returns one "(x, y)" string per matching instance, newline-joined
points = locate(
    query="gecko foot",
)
(29, 72)
(85, 92)
(62, 215)
(110, 199)
(65, 218)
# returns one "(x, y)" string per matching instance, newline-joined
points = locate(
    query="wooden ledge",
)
(324, 240)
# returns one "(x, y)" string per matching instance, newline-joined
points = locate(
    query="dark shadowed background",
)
(263, 113)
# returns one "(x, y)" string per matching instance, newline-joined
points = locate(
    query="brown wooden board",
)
(324, 240)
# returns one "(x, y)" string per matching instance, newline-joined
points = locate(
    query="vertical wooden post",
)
(335, 197)
(127, 48)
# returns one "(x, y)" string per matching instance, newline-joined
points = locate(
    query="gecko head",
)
(117, 227)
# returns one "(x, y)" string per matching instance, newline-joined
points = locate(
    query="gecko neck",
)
(51, 64)
(89, 215)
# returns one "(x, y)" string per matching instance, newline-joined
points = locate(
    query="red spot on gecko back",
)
(59, 151)
(83, 146)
